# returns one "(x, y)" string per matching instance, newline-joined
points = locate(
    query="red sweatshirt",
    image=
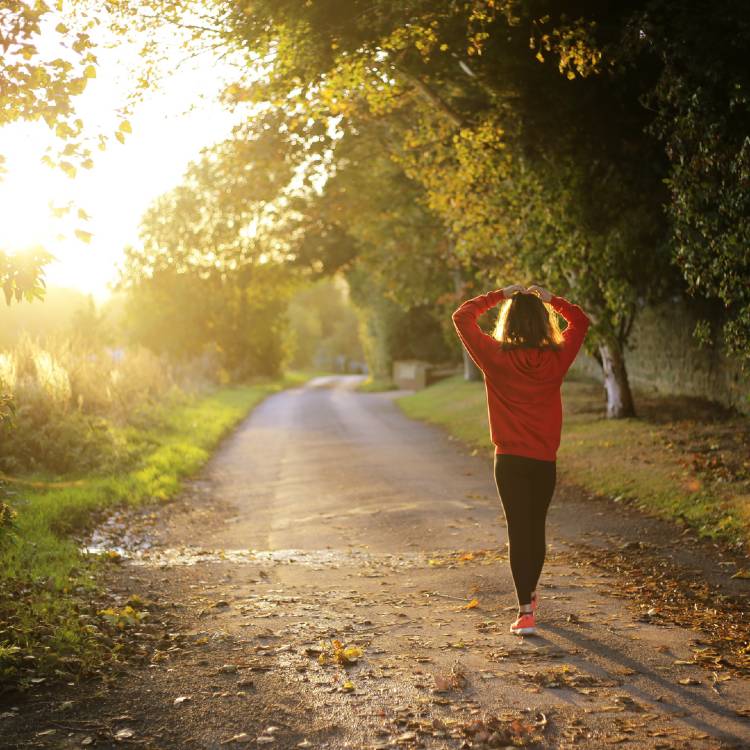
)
(523, 385)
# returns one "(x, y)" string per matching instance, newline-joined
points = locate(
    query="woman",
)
(524, 364)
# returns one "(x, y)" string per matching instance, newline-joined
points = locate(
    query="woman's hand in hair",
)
(540, 291)
(509, 291)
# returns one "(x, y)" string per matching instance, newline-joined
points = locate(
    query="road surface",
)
(337, 577)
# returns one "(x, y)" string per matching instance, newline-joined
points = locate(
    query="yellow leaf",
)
(125, 127)
(68, 168)
(741, 574)
(89, 71)
(83, 235)
(348, 686)
(352, 653)
(61, 28)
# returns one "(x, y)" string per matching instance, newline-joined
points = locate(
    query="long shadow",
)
(681, 696)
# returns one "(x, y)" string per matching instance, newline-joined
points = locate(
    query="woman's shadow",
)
(646, 684)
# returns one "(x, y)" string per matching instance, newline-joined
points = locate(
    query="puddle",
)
(102, 539)
(200, 555)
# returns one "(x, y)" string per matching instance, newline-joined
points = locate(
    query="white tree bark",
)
(616, 384)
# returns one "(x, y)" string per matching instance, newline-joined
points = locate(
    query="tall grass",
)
(72, 402)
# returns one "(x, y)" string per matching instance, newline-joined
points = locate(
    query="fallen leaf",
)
(406, 737)
(471, 605)
(689, 681)
(241, 737)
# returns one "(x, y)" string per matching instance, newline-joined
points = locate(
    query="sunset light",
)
(389, 388)
(169, 127)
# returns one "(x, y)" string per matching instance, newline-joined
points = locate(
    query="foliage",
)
(22, 275)
(236, 318)
(323, 326)
(702, 103)
(208, 276)
(389, 332)
(53, 317)
(38, 86)
(535, 179)
(398, 268)
(48, 58)
(70, 400)
(7, 515)
(555, 172)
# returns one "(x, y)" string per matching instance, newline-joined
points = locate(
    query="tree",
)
(209, 272)
(702, 117)
(399, 266)
(523, 125)
(545, 175)
(36, 86)
(324, 326)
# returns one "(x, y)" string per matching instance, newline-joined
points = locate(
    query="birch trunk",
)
(471, 372)
(616, 384)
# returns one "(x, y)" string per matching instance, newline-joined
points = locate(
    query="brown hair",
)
(525, 322)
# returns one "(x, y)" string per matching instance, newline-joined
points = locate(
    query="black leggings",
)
(525, 486)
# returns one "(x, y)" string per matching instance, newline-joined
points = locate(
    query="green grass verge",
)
(46, 584)
(632, 459)
(376, 386)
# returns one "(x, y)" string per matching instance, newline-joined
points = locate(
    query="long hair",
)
(525, 322)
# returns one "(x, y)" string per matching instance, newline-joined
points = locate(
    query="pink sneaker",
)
(524, 625)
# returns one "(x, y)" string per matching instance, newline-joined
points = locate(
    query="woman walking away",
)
(524, 364)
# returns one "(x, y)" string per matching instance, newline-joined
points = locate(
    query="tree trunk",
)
(616, 384)
(471, 372)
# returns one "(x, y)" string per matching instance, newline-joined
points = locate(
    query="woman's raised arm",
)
(481, 346)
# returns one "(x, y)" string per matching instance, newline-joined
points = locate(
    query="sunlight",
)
(40, 205)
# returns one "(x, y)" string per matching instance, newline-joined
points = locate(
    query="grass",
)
(375, 385)
(46, 584)
(681, 458)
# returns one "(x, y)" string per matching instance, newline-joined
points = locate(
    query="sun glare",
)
(40, 206)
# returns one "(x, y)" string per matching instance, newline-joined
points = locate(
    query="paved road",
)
(328, 516)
